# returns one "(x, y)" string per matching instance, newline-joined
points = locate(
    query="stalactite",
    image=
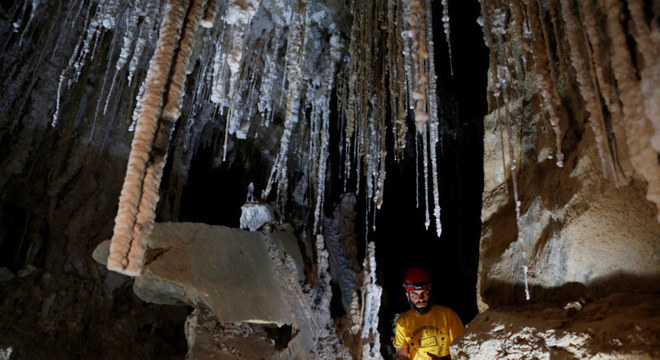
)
(70, 66)
(145, 36)
(238, 15)
(588, 87)
(294, 65)
(321, 109)
(421, 85)
(433, 114)
(647, 42)
(396, 75)
(495, 26)
(209, 14)
(637, 126)
(417, 31)
(269, 77)
(546, 73)
(139, 193)
(425, 164)
(445, 25)
(353, 99)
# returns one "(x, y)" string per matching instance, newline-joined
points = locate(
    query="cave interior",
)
(372, 126)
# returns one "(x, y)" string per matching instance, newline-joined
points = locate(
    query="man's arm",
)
(401, 353)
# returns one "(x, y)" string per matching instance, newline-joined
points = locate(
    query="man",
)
(426, 330)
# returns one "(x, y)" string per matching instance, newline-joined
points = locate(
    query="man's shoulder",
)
(406, 315)
(441, 308)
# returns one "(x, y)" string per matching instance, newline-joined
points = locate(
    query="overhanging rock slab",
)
(236, 274)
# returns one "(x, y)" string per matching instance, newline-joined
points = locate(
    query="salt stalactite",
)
(26, 28)
(238, 15)
(365, 128)
(637, 125)
(433, 117)
(294, 67)
(588, 87)
(646, 40)
(495, 26)
(600, 58)
(546, 73)
(126, 49)
(321, 108)
(421, 79)
(170, 114)
(105, 15)
(406, 36)
(146, 34)
(380, 148)
(425, 163)
(218, 94)
(520, 43)
(396, 76)
(209, 14)
(647, 46)
(70, 66)
(416, 23)
(269, 76)
(139, 193)
(352, 101)
(445, 26)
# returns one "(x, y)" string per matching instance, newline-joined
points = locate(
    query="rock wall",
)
(570, 244)
(570, 202)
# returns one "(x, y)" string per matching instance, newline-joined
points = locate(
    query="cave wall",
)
(571, 166)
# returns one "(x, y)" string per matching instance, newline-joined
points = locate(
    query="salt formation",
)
(5, 354)
(566, 64)
(340, 239)
(228, 88)
(139, 196)
(567, 86)
(265, 70)
(371, 295)
(578, 330)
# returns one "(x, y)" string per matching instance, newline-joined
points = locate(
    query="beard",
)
(421, 307)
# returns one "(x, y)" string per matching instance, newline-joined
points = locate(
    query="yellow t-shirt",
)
(432, 332)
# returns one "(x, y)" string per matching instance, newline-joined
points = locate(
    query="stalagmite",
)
(140, 191)
(371, 296)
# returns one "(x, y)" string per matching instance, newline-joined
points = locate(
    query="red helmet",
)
(416, 278)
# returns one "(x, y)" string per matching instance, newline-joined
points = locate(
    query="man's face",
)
(419, 300)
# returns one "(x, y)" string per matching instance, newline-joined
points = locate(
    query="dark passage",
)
(401, 238)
